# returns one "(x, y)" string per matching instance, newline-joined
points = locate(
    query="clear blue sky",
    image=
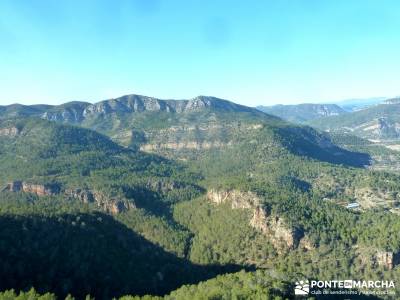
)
(252, 52)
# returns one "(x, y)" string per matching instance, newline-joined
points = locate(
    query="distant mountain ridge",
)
(301, 113)
(185, 128)
(76, 112)
(356, 104)
(378, 122)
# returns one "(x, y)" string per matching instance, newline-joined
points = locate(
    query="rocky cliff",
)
(378, 257)
(182, 145)
(71, 112)
(207, 134)
(280, 233)
(38, 189)
(387, 259)
(9, 131)
(137, 103)
(237, 199)
(112, 205)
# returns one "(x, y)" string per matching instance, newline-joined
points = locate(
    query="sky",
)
(252, 52)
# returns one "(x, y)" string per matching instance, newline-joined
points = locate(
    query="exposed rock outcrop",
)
(281, 234)
(387, 259)
(38, 189)
(69, 112)
(163, 186)
(378, 257)
(306, 244)
(238, 199)
(9, 131)
(84, 195)
(192, 145)
(112, 205)
(14, 186)
(204, 136)
(275, 227)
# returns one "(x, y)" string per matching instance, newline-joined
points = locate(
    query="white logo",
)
(302, 287)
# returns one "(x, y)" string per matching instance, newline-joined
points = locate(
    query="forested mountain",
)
(146, 199)
(376, 126)
(378, 122)
(301, 113)
(307, 112)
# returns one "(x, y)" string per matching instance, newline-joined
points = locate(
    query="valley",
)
(191, 193)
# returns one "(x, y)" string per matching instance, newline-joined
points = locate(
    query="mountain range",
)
(136, 196)
(304, 112)
(301, 113)
(378, 122)
(78, 112)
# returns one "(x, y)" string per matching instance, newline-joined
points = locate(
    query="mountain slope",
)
(183, 128)
(379, 122)
(301, 113)
(78, 112)
(225, 185)
(46, 159)
(96, 251)
(19, 110)
(242, 285)
(57, 184)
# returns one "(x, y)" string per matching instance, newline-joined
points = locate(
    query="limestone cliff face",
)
(14, 186)
(238, 199)
(38, 189)
(84, 195)
(387, 259)
(9, 131)
(138, 103)
(306, 244)
(378, 257)
(67, 115)
(275, 227)
(204, 136)
(163, 186)
(112, 205)
(190, 145)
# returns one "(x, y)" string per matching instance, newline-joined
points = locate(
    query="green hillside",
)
(377, 125)
(241, 191)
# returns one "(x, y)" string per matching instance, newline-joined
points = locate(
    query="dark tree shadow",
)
(89, 254)
(306, 141)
